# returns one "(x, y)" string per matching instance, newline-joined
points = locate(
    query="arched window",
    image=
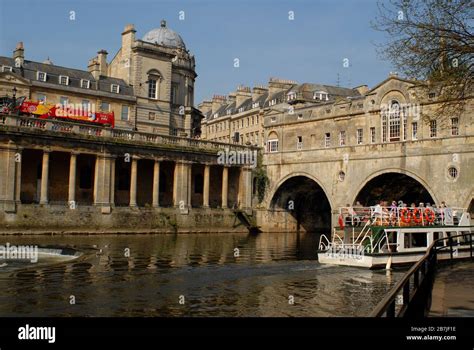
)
(393, 122)
(272, 143)
(154, 78)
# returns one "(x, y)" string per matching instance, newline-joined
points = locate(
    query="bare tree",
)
(431, 42)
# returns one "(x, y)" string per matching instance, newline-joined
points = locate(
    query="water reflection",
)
(269, 271)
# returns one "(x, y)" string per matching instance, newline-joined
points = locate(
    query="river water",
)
(270, 274)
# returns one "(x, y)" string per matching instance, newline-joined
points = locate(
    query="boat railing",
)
(412, 292)
(365, 231)
(400, 215)
(324, 243)
(384, 242)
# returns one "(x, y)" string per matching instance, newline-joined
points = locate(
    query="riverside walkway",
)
(453, 294)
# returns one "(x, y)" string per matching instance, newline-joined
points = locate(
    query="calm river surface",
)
(270, 271)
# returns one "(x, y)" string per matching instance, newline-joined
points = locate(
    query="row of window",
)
(251, 137)
(240, 110)
(85, 83)
(317, 95)
(272, 145)
(64, 80)
(235, 125)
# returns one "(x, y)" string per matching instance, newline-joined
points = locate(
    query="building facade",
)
(387, 144)
(148, 173)
(148, 84)
(328, 147)
(239, 117)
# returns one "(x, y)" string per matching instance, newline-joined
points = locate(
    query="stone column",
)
(225, 186)
(103, 182)
(72, 179)
(133, 182)
(182, 186)
(175, 183)
(44, 178)
(245, 188)
(95, 189)
(156, 184)
(112, 182)
(205, 194)
(190, 184)
(9, 167)
(18, 162)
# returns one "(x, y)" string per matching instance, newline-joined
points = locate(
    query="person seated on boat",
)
(393, 213)
(433, 209)
(385, 214)
(362, 212)
(439, 211)
(377, 213)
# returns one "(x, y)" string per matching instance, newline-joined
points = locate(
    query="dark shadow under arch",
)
(393, 187)
(306, 201)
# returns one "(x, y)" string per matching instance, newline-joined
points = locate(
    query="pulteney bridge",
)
(325, 157)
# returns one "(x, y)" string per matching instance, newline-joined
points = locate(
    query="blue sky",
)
(310, 48)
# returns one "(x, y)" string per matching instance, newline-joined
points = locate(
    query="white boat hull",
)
(374, 261)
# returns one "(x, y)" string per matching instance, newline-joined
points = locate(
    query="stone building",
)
(148, 84)
(162, 73)
(141, 175)
(54, 84)
(238, 117)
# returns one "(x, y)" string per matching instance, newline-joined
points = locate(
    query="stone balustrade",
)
(119, 134)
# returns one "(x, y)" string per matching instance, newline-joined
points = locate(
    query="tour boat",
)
(381, 237)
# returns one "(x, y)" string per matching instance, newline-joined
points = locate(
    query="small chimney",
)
(128, 37)
(205, 106)
(232, 97)
(243, 93)
(94, 68)
(102, 59)
(19, 55)
(217, 102)
(258, 91)
(276, 85)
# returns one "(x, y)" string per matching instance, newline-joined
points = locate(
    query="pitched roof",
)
(31, 68)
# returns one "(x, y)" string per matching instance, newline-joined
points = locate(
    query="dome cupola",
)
(164, 36)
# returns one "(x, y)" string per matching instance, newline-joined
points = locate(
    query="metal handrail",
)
(325, 245)
(425, 266)
(392, 214)
(367, 225)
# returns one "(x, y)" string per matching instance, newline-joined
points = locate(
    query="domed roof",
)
(164, 36)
